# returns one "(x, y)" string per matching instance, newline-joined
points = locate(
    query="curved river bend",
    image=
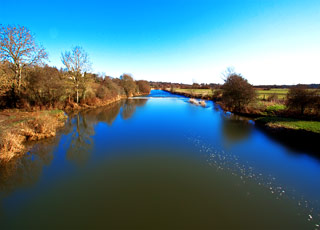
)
(159, 162)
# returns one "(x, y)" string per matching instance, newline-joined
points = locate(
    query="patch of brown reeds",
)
(27, 127)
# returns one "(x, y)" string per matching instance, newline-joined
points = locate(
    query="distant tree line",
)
(268, 87)
(169, 85)
(25, 81)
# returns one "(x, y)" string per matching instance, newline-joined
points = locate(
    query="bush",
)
(237, 92)
(128, 84)
(143, 87)
(300, 98)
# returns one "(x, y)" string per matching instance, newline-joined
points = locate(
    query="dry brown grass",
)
(16, 127)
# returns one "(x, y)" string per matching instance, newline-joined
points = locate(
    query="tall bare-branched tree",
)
(77, 64)
(18, 46)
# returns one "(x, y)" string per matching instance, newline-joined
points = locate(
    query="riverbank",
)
(17, 127)
(271, 118)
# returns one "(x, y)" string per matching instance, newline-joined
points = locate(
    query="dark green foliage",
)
(237, 92)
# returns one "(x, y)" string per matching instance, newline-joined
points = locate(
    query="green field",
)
(264, 94)
(313, 126)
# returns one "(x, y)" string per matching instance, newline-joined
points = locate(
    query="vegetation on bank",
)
(16, 127)
(290, 123)
(295, 108)
(27, 83)
(32, 94)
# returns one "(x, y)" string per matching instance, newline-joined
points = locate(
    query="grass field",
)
(262, 94)
(202, 92)
(280, 122)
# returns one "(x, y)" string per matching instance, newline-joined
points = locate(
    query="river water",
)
(159, 162)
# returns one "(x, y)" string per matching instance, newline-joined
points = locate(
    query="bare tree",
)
(77, 64)
(18, 46)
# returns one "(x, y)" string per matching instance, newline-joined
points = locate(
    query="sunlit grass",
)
(203, 92)
(313, 126)
(280, 93)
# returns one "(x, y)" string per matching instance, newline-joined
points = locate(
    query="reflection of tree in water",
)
(130, 107)
(81, 141)
(235, 129)
(81, 126)
(26, 170)
(106, 114)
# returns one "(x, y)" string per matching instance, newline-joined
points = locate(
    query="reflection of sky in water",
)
(167, 126)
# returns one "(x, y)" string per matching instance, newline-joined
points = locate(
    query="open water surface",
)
(159, 162)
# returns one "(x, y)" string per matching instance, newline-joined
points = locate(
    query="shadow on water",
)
(237, 128)
(297, 142)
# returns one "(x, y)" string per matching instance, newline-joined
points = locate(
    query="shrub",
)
(237, 92)
(300, 98)
(143, 87)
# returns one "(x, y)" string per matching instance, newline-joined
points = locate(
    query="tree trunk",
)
(19, 78)
(77, 95)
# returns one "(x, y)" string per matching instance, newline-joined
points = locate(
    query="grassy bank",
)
(271, 114)
(17, 127)
(278, 93)
(290, 123)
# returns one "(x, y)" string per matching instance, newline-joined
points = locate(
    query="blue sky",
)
(268, 42)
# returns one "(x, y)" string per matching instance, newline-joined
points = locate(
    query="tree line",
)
(26, 81)
(237, 93)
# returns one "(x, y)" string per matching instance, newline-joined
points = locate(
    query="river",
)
(159, 162)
